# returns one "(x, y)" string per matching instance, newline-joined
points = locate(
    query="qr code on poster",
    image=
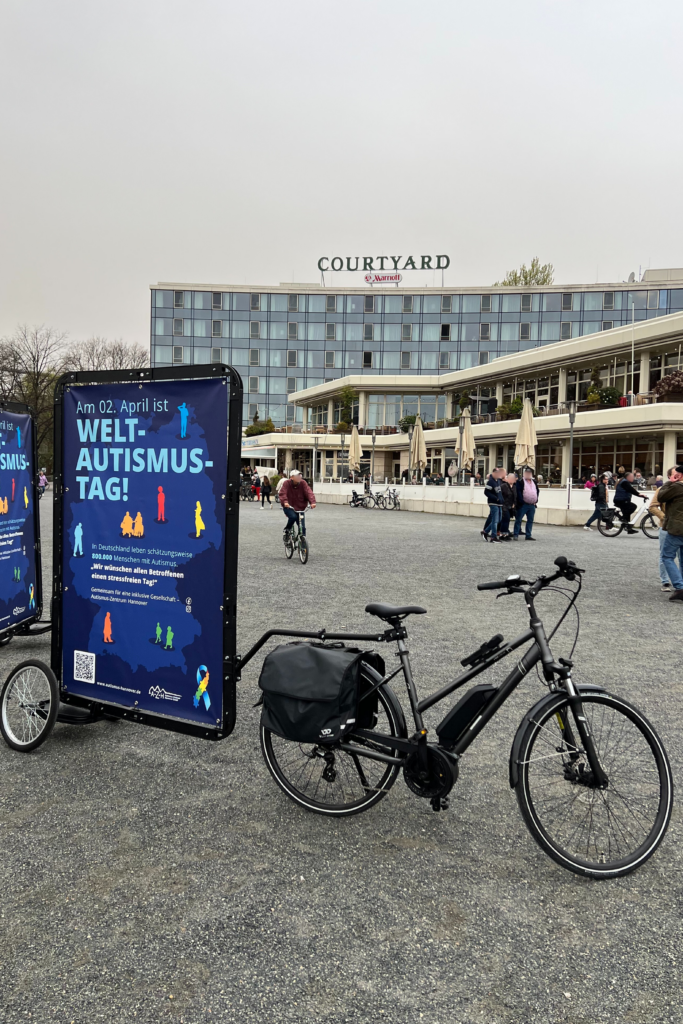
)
(84, 667)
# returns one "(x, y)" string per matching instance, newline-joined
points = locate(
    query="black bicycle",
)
(295, 539)
(591, 775)
(613, 521)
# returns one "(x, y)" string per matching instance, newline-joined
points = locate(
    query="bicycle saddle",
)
(390, 611)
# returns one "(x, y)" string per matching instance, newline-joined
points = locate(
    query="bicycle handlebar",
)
(493, 586)
(566, 568)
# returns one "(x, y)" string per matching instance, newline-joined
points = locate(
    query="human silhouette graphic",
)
(3, 506)
(13, 488)
(169, 639)
(78, 541)
(107, 629)
(184, 416)
(17, 575)
(198, 521)
(31, 598)
(18, 437)
(127, 525)
(25, 498)
(161, 505)
(158, 634)
(138, 528)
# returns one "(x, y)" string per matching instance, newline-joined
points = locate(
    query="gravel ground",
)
(147, 876)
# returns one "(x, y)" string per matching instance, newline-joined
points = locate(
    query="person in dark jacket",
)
(622, 499)
(266, 489)
(494, 497)
(601, 498)
(671, 496)
(526, 502)
(507, 486)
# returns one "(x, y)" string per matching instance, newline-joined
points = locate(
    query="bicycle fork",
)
(586, 739)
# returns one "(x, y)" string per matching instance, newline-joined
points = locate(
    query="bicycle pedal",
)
(440, 803)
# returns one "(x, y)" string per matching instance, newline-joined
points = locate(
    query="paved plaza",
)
(147, 876)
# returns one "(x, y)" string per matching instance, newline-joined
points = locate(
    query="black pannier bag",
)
(311, 692)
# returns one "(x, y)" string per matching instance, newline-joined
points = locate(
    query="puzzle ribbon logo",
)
(203, 682)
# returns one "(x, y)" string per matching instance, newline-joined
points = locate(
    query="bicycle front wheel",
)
(381, 501)
(29, 703)
(610, 527)
(303, 550)
(289, 547)
(651, 526)
(601, 833)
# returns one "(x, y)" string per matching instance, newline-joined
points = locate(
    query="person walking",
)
(671, 496)
(527, 500)
(622, 499)
(507, 486)
(266, 490)
(494, 497)
(600, 495)
(658, 510)
(42, 481)
(256, 485)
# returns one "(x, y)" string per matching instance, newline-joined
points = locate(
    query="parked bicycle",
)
(247, 492)
(295, 539)
(612, 522)
(590, 773)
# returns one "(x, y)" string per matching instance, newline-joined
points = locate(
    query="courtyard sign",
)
(375, 263)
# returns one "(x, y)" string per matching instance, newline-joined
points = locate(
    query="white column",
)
(562, 390)
(304, 422)
(493, 457)
(566, 468)
(330, 415)
(644, 373)
(362, 408)
(499, 393)
(670, 449)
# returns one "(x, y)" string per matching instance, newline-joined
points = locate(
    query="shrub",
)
(342, 428)
(405, 422)
(672, 384)
(609, 396)
(260, 427)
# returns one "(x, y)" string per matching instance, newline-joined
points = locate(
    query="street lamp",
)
(315, 455)
(411, 428)
(461, 427)
(342, 456)
(372, 466)
(572, 417)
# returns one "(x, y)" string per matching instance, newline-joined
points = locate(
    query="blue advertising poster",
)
(19, 586)
(143, 533)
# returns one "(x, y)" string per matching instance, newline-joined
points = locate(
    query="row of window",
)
(257, 330)
(254, 357)
(256, 302)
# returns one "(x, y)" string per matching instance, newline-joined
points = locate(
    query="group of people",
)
(509, 496)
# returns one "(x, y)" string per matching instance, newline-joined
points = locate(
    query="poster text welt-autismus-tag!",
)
(143, 519)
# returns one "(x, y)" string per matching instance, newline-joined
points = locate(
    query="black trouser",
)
(264, 495)
(627, 508)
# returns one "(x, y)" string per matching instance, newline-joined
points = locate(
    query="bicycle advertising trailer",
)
(21, 593)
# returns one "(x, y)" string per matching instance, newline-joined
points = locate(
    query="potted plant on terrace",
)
(670, 388)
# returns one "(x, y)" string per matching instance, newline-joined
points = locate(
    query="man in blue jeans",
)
(494, 497)
(527, 500)
(671, 495)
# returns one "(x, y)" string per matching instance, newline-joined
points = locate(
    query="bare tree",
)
(99, 354)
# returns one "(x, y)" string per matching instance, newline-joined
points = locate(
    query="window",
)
(444, 360)
(567, 302)
(607, 325)
(330, 303)
(367, 360)
(329, 360)
(255, 302)
(253, 385)
(216, 355)
(253, 409)
(255, 329)
(486, 303)
(524, 331)
(292, 303)
(406, 359)
(565, 331)
(653, 300)
(178, 327)
(368, 332)
(608, 300)
(446, 303)
(178, 353)
(330, 332)
(485, 332)
(178, 299)
(526, 303)
(216, 328)
(369, 306)
(254, 357)
(445, 332)
(291, 385)
(292, 359)
(291, 331)
(406, 332)
(216, 300)
(407, 303)
(483, 358)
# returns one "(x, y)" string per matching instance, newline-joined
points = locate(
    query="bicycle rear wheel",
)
(29, 703)
(611, 526)
(303, 550)
(332, 781)
(651, 526)
(601, 833)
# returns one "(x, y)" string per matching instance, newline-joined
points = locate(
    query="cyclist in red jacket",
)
(295, 496)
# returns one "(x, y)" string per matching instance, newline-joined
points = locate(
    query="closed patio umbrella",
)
(355, 451)
(526, 441)
(418, 448)
(468, 448)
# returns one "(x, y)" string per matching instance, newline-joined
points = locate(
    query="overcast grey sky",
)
(216, 141)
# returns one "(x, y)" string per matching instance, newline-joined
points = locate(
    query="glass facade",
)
(281, 343)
